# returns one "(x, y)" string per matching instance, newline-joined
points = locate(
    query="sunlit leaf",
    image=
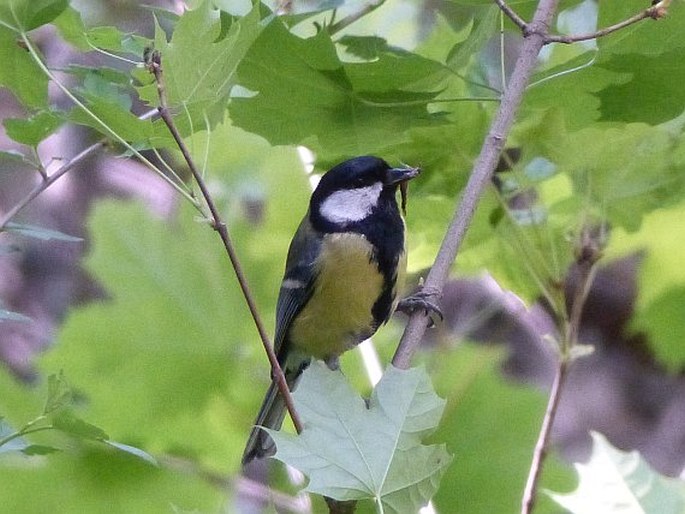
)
(615, 482)
(350, 451)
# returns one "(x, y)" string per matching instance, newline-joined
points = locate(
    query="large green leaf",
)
(653, 94)
(171, 329)
(201, 59)
(351, 452)
(638, 172)
(303, 94)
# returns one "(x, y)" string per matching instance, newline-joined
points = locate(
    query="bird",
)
(344, 268)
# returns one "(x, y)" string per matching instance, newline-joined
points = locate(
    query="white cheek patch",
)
(350, 205)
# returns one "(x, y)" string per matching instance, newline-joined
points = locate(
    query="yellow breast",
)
(338, 315)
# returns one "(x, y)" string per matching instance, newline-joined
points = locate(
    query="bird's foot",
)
(423, 299)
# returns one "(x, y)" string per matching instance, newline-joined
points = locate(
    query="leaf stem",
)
(155, 67)
(25, 431)
(655, 12)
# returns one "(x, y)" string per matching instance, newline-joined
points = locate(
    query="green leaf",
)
(59, 393)
(199, 62)
(31, 131)
(30, 14)
(114, 40)
(305, 95)
(653, 94)
(132, 450)
(150, 268)
(20, 74)
(490, 423)
(97, 480)
(70, 26)
(39, 449)
(662, 319)
(112, 114)
(637, 173)
(352, 452)
(615, 482)
(648, 37)
(69, 423)
(41, 233)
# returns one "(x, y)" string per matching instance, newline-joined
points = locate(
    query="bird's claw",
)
(421, 300)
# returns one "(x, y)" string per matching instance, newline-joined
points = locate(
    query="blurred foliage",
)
(615, 481)
(169, 362)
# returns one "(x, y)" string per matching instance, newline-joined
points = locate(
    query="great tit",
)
(345, 265)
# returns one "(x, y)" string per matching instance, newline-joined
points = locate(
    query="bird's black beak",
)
(399, 175)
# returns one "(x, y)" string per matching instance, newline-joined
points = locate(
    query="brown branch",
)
(51, 179)
(479, 179)
(513, 15)
(155, 67)
(588, 252)
(654, 12)
(47, 182)
(541, 446)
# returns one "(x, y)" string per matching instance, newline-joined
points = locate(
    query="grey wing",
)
(298, 283)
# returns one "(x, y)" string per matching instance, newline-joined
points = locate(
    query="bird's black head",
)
(349, 192)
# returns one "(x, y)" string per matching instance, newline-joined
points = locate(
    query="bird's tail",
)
(270, 415)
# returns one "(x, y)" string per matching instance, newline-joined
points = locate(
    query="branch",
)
(47, 182)
(371, 6)
(155, 67)
(513, 16)
(480, 177)
(540, 452)
(588, 252)
(655, 12)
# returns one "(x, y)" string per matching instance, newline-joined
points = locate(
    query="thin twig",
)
(44, 184)
(350, 19)
(587, 267)
(513, 16)
(654, 12)
(54, 177)
(480, 177)
(218, 224)
(540, 452)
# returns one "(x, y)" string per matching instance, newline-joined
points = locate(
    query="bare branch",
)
(655, 12)
(479, 179)
(588, 252)
(155, 67)
(513, 16)
(540, 452)
(47, 182)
